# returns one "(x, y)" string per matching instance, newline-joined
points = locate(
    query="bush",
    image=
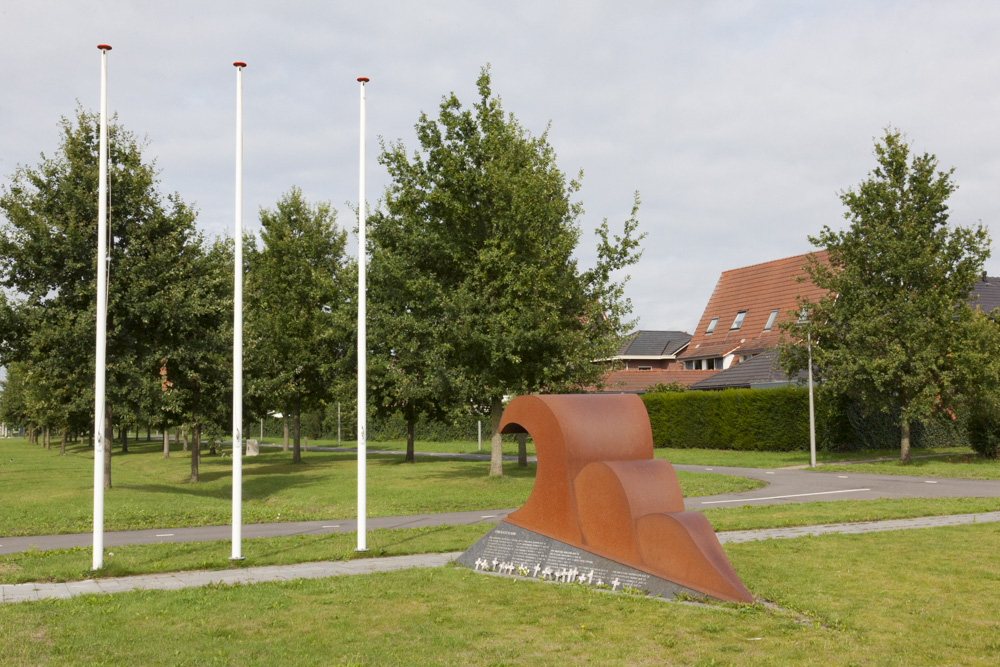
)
(984, 427)
(775, 419)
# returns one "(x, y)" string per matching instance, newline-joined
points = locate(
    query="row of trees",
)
(474, 292)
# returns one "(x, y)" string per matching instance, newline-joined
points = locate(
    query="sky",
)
(739, 123)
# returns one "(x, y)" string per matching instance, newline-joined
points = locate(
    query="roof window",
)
(770, 320)
(711, 325)
(738, 322)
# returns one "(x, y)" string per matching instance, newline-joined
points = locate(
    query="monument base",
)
(511, 550)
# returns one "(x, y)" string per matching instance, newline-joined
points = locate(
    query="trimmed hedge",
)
(775, 419)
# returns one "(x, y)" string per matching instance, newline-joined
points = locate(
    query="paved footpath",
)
(252, 575)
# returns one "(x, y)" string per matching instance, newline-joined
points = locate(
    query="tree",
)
(477, 241)
(894, 332)
(48, 267)
(299, 299)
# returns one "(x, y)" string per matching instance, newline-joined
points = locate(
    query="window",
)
(645, 368)
(738, 322)
(770, 319)
(711, 325)
(703, 365)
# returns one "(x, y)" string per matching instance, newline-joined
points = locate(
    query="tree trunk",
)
(296, 454)
(496, 444)
(148, 438)
(195, 450)
(522, 450)
(409, 439)
(124, 430)
(904, 442)
(166, 442)
(284, 422)
(90, 438)
(183, 432)
(109, 428)
(62, 445)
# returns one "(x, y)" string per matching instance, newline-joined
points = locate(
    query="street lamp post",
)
(804, 319)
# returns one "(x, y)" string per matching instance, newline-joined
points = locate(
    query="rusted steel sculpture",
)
(599, 489)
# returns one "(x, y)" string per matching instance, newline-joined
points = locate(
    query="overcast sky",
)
(738, 122)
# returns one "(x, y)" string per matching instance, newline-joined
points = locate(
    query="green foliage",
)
(894, 333)
(742, 419)
(300, 308)
(473, 262)
(984, 425)
(47, 266)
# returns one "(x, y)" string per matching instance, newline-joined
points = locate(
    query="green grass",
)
(752, 517)
(921, 597)
(421, 446)
(747, 459)
(44, 493)
(74, 564)
(965, 465)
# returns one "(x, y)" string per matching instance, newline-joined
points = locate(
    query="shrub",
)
(775, 419)
(984, 426)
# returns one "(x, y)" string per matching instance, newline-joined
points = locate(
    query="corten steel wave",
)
(598, 488)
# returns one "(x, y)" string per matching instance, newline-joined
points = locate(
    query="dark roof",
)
(654, 344)
(985, 294)
(638, 382)
(761, 370)
(757, 290)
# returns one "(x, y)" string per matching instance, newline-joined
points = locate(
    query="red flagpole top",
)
(239, 64)
(363, 79)
(104, 47)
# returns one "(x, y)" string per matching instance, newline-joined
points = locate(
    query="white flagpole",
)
(362, 340)
(238, 328)
(102, 317)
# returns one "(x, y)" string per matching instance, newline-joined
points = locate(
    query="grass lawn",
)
(74, 564)
(918, 597)
(745, 459)
(965, 465)
(44, 493)
(422, 446)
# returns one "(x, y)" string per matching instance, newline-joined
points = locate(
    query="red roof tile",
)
(758, 290)
(636, 381)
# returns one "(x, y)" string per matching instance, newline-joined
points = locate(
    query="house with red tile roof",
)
(744, 314)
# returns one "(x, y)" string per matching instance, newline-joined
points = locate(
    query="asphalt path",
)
(783, 486)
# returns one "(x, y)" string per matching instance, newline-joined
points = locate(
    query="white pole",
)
(102, 317)
(338, 423)
(362, 339)
(238, 328)
(479, 434)
(812, 411)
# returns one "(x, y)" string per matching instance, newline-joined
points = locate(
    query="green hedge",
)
(777, 419)
(743, 419)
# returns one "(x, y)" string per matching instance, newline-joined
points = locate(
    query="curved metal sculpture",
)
(599, 489)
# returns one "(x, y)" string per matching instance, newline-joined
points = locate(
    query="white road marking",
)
(794, 495)
(336, 526)
(842, 476)
(166, 535)
(709, 468)
(769, 472)
(488, 516)
(929, 481)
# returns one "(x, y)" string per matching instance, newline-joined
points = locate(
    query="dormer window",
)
(711, 325)
(770, 320)
(738, 322)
